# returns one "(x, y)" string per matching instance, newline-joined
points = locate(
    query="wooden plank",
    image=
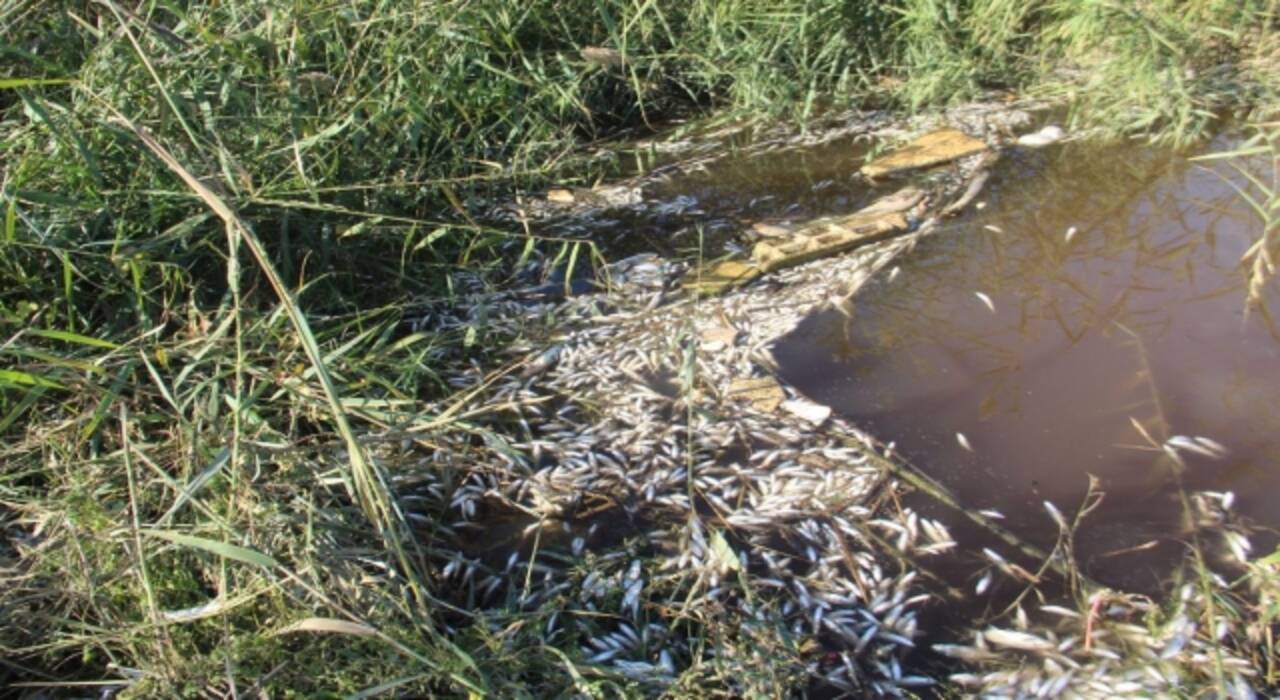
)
(934, 148)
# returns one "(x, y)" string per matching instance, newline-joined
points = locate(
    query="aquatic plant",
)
(1263, 196)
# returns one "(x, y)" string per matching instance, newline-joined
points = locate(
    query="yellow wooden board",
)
(933, 148)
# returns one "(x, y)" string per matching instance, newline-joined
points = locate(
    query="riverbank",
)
(241, 452)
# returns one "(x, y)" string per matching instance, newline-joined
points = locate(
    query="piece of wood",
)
(560, 196)
(721, 277)
(836, 235)
(839, 237)
(764, 393)
(816, 239)
(934, 148)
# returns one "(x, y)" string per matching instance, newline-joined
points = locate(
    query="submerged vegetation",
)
(215, 217)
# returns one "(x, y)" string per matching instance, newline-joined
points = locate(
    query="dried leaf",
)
(327, 625)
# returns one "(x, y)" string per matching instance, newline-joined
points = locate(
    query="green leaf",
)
(49, 198)
(361, 227)
(11, 221)
(722, 554)
(10, 83)
(222, 549)
(69, 337)
(323, 135)
(435, 235)
(16, 378)
(381, 690)
(219, 461)
(568, 273)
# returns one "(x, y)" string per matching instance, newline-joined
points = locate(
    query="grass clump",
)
(212, 213)
(1165, 69)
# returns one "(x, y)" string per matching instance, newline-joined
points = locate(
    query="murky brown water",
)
(691, 208)
(1139, 316)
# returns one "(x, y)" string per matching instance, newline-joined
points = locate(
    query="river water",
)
(1090, 319)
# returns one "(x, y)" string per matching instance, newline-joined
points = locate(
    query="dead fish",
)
(964, 442)
(986, 300)
(543, 362)
(1039, 139)
(1021, 641)
(1060, 611)
(770, 230)
(964, 653)
(1056, 515)
(1198, 445)
(1212, 445)
(1239, 545)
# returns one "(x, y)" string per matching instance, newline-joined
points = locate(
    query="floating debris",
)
(561, 196)
(763, 393)
(807, 410)
(933, 148)
(817, 239)
(838, 237)
(721, 277)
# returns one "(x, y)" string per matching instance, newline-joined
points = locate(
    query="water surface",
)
(1137, 317)
(702, 208)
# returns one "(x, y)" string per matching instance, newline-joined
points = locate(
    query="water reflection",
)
(1094, 310)
(703, 207)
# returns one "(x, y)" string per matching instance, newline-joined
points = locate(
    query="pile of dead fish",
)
(624, 475)
(661, 500)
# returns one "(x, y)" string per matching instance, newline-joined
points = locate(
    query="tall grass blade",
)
(222, 549)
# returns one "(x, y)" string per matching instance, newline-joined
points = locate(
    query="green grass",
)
(213, 212)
